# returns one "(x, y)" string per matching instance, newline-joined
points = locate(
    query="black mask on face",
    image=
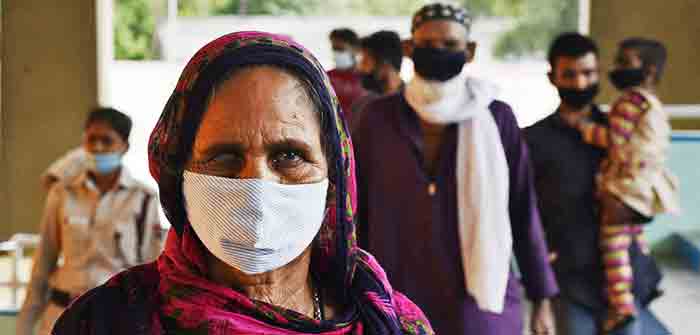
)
(578, 98)
(438, 64)
(625, 78)
(373, 84)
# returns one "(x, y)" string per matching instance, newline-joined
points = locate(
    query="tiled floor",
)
(679, 308)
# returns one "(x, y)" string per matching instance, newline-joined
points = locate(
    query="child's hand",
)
(572, 119)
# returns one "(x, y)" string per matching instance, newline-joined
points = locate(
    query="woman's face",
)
(260, 124)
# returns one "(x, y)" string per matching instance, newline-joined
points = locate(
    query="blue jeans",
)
(574, 319)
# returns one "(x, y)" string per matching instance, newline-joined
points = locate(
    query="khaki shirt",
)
(68, 167)
(97, 237)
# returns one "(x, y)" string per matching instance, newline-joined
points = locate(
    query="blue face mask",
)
(104, 163)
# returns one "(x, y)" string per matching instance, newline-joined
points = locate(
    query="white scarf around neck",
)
(482, 181)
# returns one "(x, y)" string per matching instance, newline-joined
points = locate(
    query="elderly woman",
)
(256, 175)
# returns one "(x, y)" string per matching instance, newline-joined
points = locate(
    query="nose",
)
(257, 167)
(581, 82)
(99, 146)
(438, 44)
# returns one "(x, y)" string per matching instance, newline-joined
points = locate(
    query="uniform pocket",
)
(76, 230)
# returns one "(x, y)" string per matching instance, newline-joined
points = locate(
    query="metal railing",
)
(16, 246)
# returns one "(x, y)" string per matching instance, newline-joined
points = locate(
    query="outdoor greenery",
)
(536, 21)
(134, 24)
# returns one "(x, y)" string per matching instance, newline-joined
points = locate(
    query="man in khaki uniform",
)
(101, 222)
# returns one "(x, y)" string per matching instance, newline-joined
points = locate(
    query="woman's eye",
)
(219, 165)
(287, 159)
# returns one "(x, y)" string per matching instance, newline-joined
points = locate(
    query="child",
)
(633, 183)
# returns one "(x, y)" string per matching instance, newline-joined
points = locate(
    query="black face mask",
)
(625, 78)
(371, 83)
(578, 98)
(438, 64)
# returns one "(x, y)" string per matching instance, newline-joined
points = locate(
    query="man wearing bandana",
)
(447, 201)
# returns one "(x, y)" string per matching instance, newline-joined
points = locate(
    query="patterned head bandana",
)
(440, 11)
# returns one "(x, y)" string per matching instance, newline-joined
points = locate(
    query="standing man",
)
(381, 55)
(346, 81)
(446, 193)
(95, 225)
(565, 169)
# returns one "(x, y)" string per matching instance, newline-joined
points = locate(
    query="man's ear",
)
(550, 75)
(471, 51)
(407, 47)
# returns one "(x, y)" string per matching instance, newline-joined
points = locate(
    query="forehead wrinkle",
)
(282, 98)
(286, 127)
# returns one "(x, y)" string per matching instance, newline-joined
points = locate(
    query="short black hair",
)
(120, 122)
(570, 44)
(651, 52)
(346, 35)
(385, 47)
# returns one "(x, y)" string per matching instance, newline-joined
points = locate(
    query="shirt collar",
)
(596, 115)
(125, 180)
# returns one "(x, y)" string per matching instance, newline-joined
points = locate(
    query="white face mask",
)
(251, 224)
(344, 60)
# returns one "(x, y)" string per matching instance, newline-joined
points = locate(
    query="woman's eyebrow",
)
(219, 148)
(287, 144)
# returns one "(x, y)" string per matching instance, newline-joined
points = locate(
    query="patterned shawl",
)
(174, 295)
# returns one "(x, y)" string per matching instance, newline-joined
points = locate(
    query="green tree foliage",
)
(299, 7)
(494, 7)
(537, 24)
(269, 7)
(134, 24)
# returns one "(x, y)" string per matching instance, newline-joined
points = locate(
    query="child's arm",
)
(623, 119)
(594, 133)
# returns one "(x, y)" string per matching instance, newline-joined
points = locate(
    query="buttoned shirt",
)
(96, 235)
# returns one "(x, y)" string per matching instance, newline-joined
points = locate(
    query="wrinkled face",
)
(260, 124)
(100, 138)
(575, 72)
